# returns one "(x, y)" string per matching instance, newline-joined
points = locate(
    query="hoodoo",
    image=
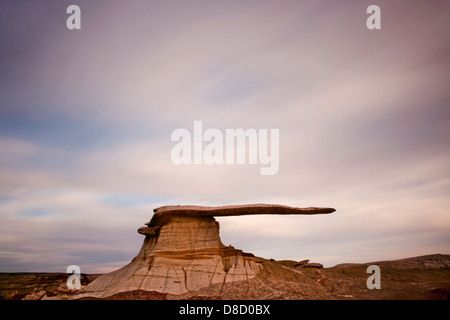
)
(182, 251)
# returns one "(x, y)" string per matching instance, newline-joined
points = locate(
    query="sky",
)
(86, 118)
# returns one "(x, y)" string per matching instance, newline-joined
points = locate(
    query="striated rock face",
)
(182, 252)
(186, 254)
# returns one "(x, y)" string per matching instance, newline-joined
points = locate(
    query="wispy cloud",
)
(86, 118)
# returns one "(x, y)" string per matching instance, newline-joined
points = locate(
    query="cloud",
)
(86, 119)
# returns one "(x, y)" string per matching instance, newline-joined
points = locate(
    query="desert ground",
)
(417, 278)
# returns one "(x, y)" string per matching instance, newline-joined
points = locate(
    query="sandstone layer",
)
(182, 252)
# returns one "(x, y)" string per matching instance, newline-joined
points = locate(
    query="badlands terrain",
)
(182, 257)
(425, 277)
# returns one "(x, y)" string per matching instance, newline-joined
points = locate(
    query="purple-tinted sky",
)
(86, 118)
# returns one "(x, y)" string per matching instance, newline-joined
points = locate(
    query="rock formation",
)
(301, 263)
(182, 252)
(313, 265)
